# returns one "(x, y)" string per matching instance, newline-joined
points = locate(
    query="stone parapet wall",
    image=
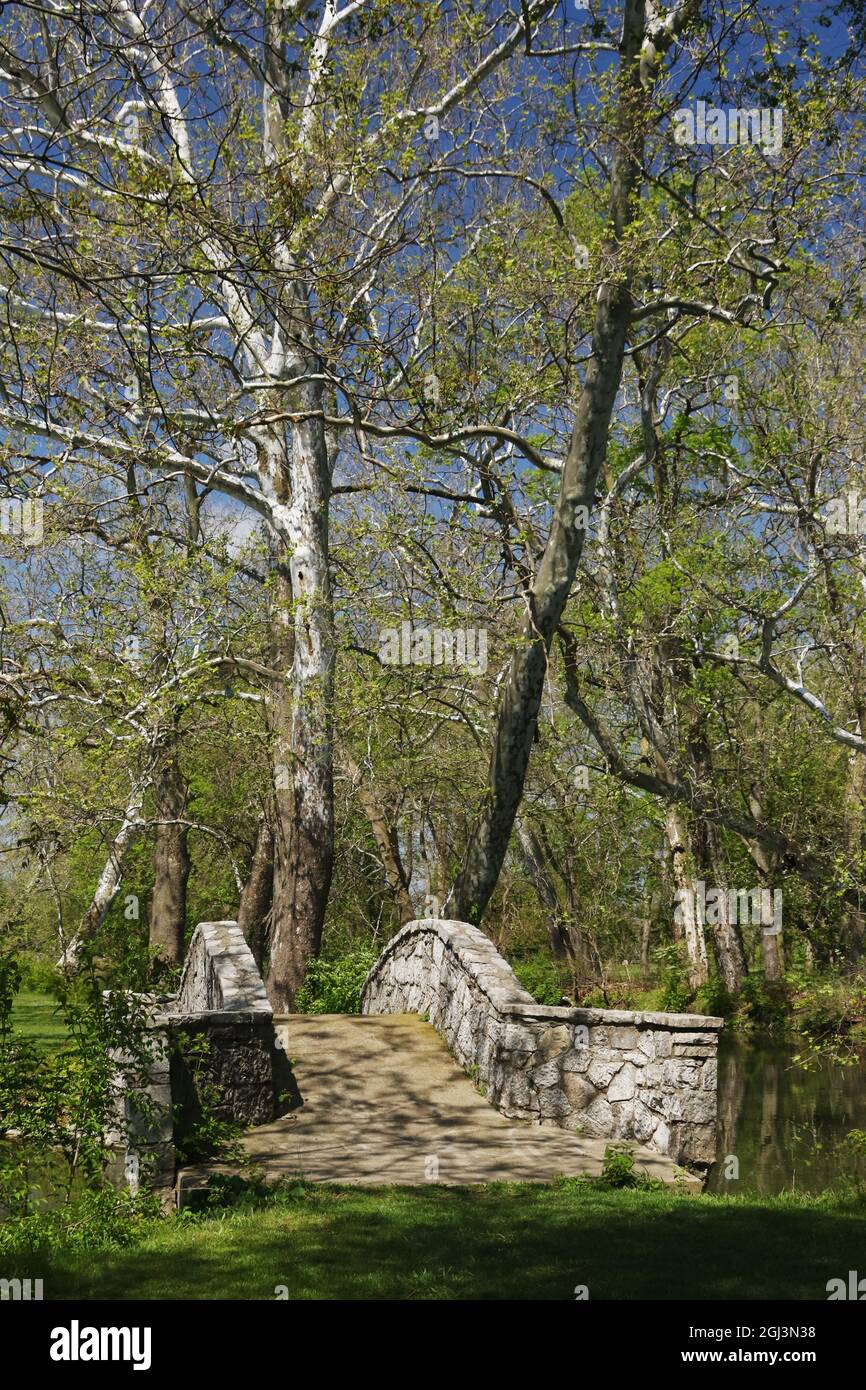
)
(212, 1048)
(618, 1074)
(220, 973)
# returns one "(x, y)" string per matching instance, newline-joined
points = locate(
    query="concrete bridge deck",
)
(383, 1101)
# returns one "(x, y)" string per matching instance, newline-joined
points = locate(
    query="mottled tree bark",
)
(109, 880)
(561, 944)
(772, 942)
(726, 936)
(254, 908)
(682, 862)
(301, 703)
(854, 915)
(171, 864)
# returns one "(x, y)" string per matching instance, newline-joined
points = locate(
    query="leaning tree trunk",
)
(170, 866)
(517, 717)
(110, 879)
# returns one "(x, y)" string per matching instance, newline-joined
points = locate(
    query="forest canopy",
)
(431, 484)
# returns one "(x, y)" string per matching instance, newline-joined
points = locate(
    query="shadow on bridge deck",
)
(383, 1101)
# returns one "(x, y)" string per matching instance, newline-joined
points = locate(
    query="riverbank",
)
(523, 1241)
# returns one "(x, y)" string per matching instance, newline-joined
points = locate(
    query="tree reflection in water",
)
(786, 1124)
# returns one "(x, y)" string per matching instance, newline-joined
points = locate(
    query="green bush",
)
(829, 1008)
(713, 998)
(675, 991)
(39, 976)
(765, 1003)
(333, 986)
(618, 1170)
(55, 1103)
(540, 976)
(100, 1220)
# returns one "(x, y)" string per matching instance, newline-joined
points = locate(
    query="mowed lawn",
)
(38, 1017)
(498, 1242)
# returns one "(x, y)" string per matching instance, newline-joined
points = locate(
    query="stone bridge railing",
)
(650, 1077)
(212, 1047)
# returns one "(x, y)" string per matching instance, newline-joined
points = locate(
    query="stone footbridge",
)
(452, 1074)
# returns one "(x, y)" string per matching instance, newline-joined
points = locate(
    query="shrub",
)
(540, 975)
(55, 1105)
(103, 1219)
(333, 986)
(39, 975)
(618, 1170)
(830, 1008)
(675, 991)
(765, 1002)
(713, 998)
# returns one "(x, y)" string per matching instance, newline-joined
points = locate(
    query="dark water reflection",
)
(786, 1125)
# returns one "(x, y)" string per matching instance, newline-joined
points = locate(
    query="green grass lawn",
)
(497, 1242)
(37, 1016)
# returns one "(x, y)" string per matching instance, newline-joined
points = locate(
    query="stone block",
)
(578, 1091)
(623, 1038)
(553, 1042)
(622, 1087)
(661, 1138)
(643, 1122)
(599, 1117)
(552, 1103)
(519, 1039)
(577, 1060)
(602, 1073)
(546, 1075)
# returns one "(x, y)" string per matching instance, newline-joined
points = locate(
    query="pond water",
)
(785, 1124)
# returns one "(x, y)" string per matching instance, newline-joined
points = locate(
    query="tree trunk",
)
(682, 872)
(645, 938)
(561, 945)
(726, 936)
(302, 704)
(170, 867)
(385, 837)
(109, 880)
(517, 717)
(854, 916)
(254, 908)
(772, 943)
